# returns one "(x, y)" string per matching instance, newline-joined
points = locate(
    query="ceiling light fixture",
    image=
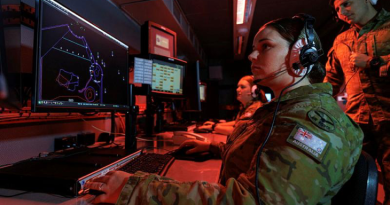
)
(240, 11)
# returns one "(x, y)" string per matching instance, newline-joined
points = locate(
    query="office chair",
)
(361, 189)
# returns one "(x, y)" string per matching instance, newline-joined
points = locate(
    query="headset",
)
(304, 54)
(255, 91)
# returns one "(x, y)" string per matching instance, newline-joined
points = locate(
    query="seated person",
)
(249, 103)
(309, 152)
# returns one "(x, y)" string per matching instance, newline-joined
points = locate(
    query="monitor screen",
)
(202, 92)
(77, 65)
(143, 69)
(168, 75)
(160, 40)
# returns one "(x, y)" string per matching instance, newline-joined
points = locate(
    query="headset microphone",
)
(273, 75)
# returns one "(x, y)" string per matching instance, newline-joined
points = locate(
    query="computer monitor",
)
(159, 40)
(77, 65)
(202, 91)
(168, 76)
(3, 83)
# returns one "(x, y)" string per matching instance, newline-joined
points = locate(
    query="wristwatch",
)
(375, 62)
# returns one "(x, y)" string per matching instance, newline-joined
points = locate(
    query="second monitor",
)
(168, 76)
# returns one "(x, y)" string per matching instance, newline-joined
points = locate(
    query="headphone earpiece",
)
(255, 91)
(303, 54)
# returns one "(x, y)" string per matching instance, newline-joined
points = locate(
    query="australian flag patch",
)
(308, 142)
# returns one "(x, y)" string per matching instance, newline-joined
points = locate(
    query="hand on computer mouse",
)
(197, 146)
(208, 123)
(109, 186)
(206, 127)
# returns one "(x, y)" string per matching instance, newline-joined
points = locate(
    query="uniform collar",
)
(249, 103)
(382, 17)
(307, 90)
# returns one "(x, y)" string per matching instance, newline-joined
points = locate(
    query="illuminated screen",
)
(202, 92)
(167, 77)
(162, 43)
(77, 64)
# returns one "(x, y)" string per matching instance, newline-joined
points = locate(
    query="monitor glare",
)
(268, 96)
(161, 40)
(77, 65)
(202, 92)
(143, 70)
(168, 75)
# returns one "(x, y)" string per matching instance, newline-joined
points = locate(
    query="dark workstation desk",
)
(180, 170)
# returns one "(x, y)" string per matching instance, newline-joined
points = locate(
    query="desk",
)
(180, 170)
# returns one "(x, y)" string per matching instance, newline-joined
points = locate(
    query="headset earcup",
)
(254, 91)
(294, 61)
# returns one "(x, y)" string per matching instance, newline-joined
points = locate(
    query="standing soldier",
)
(360, 59)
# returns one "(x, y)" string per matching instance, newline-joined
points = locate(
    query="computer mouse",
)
(197, 157)
(90, 191)
(199, 130)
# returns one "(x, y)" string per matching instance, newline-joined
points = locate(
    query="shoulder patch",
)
(311, 144)
(322, 120)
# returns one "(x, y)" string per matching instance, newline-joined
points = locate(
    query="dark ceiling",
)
(212, 21)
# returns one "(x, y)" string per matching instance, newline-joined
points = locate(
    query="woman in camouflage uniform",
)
(311, 152)
(250, 102)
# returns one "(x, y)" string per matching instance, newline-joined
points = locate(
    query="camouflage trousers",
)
(377, 144)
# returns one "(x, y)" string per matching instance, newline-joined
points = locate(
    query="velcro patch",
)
(308, 142)
(322, 120)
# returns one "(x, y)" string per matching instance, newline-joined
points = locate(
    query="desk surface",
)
(180, 170)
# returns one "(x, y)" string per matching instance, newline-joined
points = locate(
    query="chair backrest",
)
(361, 189)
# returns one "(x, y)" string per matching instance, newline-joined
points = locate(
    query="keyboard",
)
(149, 162)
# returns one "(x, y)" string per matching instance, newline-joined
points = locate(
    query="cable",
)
(355, 71)
(18, 194)
(268, 136)
(345, 86)
(101, 130)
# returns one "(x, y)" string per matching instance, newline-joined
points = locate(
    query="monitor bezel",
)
(205, 91)
(35, 107)
(146, 38)
(174, 61)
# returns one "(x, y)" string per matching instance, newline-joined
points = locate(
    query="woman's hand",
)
(207, 125)
(197, 146)
(110, 185)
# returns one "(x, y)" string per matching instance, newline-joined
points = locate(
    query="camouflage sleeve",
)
(144, 188)
(217, 148)
(249, 111)
(334, 72)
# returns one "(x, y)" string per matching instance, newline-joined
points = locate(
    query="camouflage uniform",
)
(249, 109)
(290, 171)
(368, 90)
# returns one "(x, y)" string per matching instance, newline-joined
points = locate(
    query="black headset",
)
(309, 54)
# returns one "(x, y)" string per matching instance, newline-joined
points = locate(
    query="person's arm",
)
(229, 123)
(224, 129)
(334, 72)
